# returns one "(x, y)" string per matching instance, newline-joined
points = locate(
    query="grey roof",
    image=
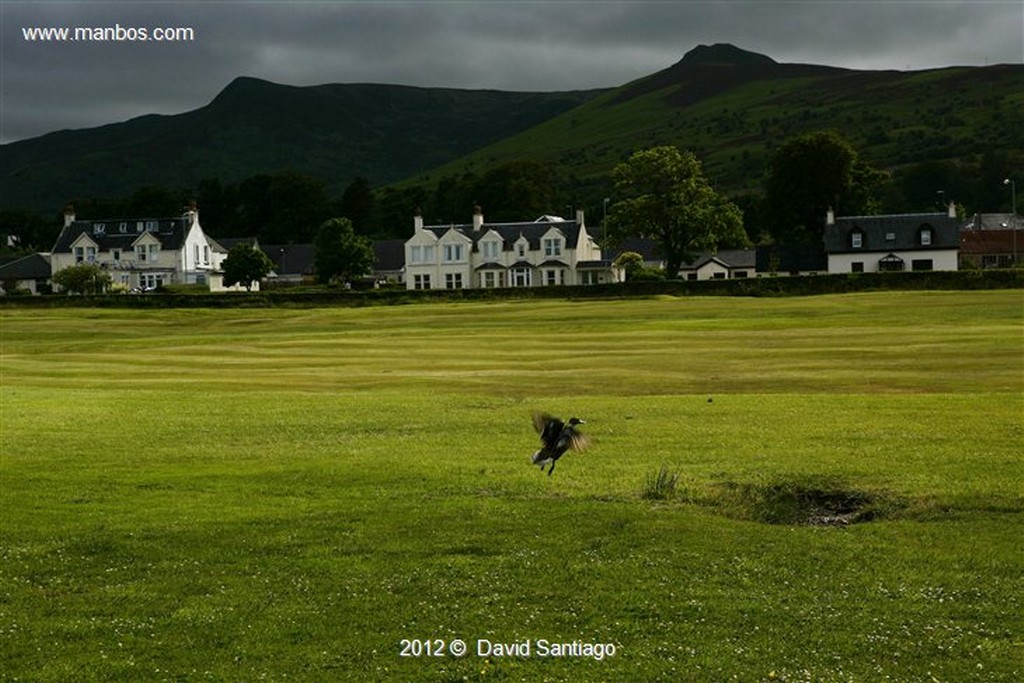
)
(993, 221)
(791, 258)
(121, 233)
(896, 232)
(533, 231)
(25, 267)
(290, 259)
(730, 258)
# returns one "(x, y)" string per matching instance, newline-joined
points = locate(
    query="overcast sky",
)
(549, 45)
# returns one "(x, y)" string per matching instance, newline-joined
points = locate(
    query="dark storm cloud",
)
(555, 45)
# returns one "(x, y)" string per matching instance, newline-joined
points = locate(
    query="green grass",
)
(288, 493)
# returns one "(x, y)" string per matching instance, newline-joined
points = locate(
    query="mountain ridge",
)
(728, 105)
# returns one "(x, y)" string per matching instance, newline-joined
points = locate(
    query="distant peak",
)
(724, 53)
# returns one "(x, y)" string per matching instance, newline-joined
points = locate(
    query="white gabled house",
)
(897, 242)
(140, 253)
(545, 252)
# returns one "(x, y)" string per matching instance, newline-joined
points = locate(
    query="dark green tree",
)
(245, 265)
(84, 278)
(809, 174)
(357, 204)
(339, 253)
(663, 195)
(518, 190)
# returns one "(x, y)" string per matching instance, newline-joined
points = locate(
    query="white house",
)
(547, 251)
(898, 242)
(140, 252)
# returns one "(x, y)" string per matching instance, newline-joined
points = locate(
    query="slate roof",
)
(26, 267)
(895, 232)
(730, 258)
(121, 233)
(533, 231)
(795, 258)
(289, 259)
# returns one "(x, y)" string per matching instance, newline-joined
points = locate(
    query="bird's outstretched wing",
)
(578, 442)
(542, 420)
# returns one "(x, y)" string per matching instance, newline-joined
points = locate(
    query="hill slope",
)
(732, 107)
(333, 132)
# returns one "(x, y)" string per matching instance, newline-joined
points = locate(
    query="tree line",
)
(804, 176)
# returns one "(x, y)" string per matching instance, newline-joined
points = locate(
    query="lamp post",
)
(1013, 210)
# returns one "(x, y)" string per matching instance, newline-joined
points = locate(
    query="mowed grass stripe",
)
(237, 495)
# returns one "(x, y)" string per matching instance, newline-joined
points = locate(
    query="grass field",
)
(288, 494)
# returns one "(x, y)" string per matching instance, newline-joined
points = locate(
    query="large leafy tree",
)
(809, 174)
(84, 278)
(339, 253)
(245, 265)
(663, 195)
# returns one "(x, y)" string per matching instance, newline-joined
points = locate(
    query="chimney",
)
(478, 218)
(192, 212)
(951, 212)
(579, 217)
(69, 215)
(830, 217)
(417, 221)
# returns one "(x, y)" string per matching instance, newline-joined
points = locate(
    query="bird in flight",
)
(556, 437)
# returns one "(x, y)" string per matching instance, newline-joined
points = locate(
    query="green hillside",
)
(733, 107)
(331, 132)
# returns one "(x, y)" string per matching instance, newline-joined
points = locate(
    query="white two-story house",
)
(140, 253)
(547, 251)
(898, 242)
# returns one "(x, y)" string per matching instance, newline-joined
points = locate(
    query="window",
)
(206, 253)
(589, 277)
(890, 237)
(739, 274)
(197, 254)
(115, 254)
(99, 228)
(521, 277)
(421, 282)
(718, 276)
(90, 254)
(521, 250)
(453, 280)
(552, 247)
(415, 254)
(122, 227)
(453, 252)
(140, 252)
(491, 250)
(922, 264)
(857, 267)
(154, 250)
(891, 263)
(856, 239)
(926, 237)
(554, 276)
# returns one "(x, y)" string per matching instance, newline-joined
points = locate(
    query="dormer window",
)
(521, 250)
(454, 253)
(99, 228)
(856, 238)
(491, 249)
(925, 237)
(552, 247)
(123, 227)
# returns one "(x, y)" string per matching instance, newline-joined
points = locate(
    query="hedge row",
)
(764, 286)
